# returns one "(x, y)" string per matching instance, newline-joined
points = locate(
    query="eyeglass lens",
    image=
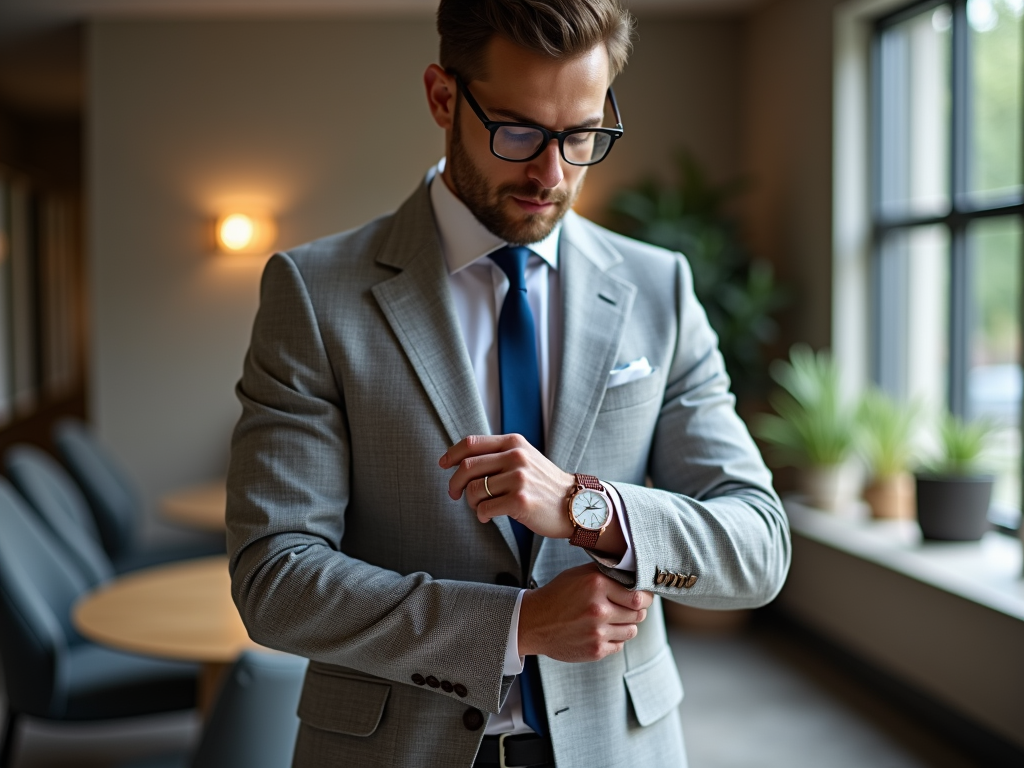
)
(520, 142)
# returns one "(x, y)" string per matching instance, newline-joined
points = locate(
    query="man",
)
(437, 487)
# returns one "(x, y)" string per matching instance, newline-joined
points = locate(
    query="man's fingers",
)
(478, 445)
(632, 599)
(472, 469)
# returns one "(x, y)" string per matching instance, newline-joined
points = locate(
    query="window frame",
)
(962, 211)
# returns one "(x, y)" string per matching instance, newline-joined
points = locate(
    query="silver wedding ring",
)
(486, 488)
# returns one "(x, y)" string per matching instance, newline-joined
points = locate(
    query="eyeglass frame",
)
(493, 125)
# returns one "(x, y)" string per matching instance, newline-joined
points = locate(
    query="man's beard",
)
(487, 204)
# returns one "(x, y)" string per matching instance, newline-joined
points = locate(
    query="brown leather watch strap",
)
(584, 537)
(589, 481)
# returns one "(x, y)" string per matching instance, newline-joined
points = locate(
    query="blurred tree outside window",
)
(948, 212)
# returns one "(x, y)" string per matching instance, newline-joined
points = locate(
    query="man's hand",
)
(581, 615)
(525, 485)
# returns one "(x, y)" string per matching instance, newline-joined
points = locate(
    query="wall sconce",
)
(245, 233)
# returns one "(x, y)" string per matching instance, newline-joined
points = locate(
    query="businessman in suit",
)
(482, 439)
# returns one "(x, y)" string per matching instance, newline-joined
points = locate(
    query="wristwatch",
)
(590, 511)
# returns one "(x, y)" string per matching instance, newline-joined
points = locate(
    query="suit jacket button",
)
(446, 686)
(460, 689)
(433, 682)
(473, 719)
(419, 679)
(506, 579)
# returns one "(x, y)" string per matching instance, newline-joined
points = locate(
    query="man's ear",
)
(440, 96)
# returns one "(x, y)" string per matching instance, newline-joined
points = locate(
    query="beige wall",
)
(787, 152)
(323, 123)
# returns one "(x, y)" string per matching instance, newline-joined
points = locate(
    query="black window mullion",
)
(960, 293)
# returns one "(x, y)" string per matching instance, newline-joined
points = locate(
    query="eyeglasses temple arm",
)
(615, 107)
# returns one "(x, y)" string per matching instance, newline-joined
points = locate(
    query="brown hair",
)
(560, 29)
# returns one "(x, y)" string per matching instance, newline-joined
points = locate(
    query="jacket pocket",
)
(654, 688)
(342, 704)
(634, 393)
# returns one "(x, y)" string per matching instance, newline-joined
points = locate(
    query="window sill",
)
(988, 572)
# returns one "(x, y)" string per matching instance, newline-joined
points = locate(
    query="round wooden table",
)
(179, 611)
(199, 506)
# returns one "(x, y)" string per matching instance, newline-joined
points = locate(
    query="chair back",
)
(38, 588)
(114, 500)
(52, 493)
(254, 723)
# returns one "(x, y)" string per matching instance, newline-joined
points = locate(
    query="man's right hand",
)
(581, 615)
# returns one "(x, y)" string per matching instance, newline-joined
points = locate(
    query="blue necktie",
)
(521, 412)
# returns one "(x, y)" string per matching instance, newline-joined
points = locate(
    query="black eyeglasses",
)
(520, 142)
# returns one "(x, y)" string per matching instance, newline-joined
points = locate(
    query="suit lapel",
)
(418, 305)
(595, 307)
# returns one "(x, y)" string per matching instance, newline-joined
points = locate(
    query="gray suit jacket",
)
(345, 547)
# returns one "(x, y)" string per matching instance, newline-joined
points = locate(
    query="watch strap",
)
(584, 537)
(589, 481)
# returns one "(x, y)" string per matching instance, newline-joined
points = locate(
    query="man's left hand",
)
(523, 482)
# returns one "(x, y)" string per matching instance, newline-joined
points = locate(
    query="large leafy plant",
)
(738, 292)
(812, 426)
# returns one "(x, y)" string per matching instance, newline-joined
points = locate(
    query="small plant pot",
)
(891, 498)
(953, 507)
(829, 488)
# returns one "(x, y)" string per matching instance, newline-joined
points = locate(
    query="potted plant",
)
(886, 441)
(953, 495)
(812, 428)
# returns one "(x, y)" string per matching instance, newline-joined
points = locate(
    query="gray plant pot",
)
(953, 507)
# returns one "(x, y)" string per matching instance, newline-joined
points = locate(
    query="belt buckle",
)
(501, 751)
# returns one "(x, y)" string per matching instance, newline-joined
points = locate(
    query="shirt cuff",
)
(628, 561)
(513, 661)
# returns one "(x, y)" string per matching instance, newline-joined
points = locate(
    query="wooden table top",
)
(199, 506)
(178, 611)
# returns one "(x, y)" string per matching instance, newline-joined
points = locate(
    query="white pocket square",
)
(623, 374)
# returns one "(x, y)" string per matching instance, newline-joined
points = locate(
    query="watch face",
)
(590, 509)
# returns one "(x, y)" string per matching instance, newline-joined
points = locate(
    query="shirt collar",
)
(464, 240)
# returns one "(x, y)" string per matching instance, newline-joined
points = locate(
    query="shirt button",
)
(419, 679)
(473, 719)
(433, 682)
(532, 584)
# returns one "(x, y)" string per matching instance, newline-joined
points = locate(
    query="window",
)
(948, 216)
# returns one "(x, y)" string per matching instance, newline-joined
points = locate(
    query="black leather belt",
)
(526, 749)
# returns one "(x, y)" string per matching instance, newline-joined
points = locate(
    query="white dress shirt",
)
(478, 287)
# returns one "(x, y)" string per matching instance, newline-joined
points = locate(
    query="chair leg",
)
(7, 748)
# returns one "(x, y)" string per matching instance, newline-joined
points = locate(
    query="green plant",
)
(886, 433)
(739, 293)
(812, 426)
(962, 444)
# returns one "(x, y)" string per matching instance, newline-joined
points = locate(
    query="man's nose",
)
(546, 168)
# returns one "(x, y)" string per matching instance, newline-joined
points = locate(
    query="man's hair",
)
(561, 29)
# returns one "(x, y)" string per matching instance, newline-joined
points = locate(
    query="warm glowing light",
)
(244, 233)
(237, 231)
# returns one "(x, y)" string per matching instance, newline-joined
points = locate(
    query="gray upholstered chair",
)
(53, 495)
(50, 671)
(115, 503)
(253, 723)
